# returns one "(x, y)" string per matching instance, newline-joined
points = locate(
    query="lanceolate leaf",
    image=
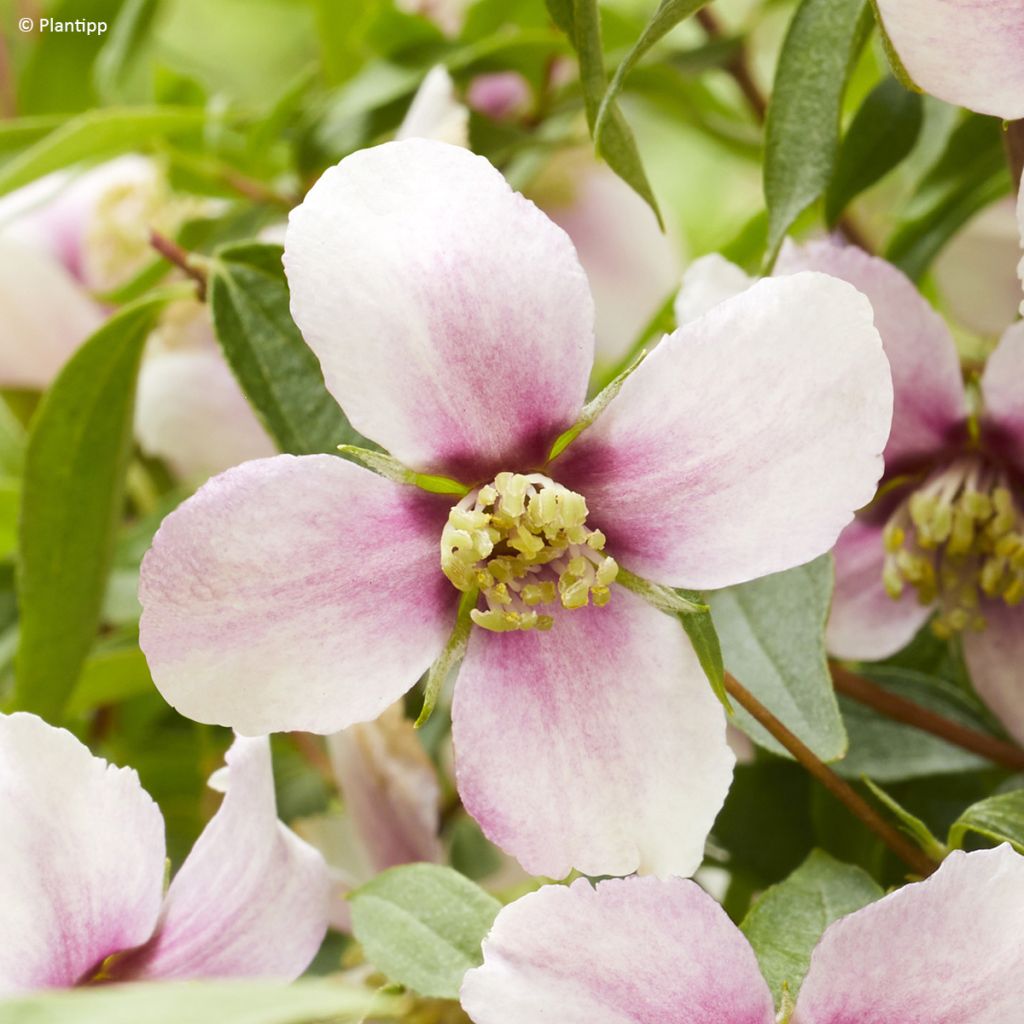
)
(276, 369)
(999, 818)
(802, 130)
(77, 455)
(786, 922)
(422, 925)
(772, 634)
(669, 14)
(881, 135)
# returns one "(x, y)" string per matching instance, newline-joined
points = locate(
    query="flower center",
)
(958, 537)
(524, 543)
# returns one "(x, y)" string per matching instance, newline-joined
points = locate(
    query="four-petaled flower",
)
(83, 862)
(454, 325)
(949, 950)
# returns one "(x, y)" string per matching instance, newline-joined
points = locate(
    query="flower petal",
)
(1002, 387)
(630, 951)
(251, 898)
(598, 745)
(930, 406)
(968, 54)
(707, 282)
(435, 112)
(451, 317)
(191, 412)
(744, 442)
(944, 951)
(390, 789)
(295, 593)
(994, 659)
(81, 862)
(46, 316)
(865, 622)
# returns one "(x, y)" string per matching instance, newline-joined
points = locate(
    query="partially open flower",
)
(454, 324)
(949, 950)
(82, 895)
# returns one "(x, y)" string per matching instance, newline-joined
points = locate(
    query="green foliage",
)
(999, 818)
(201, 1002)
(422, 925)
(700, 628)
(785, 924)
(772, 633)
(880, 136)
(275, 367)
(802, 130)
(75, 466)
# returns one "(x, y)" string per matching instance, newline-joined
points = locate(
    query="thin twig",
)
(916, 859)
(1013, 140)
(739, 68)
(906, 711)
(173, 253)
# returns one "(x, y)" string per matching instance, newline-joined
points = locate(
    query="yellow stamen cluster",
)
(958, 539)
(523, 542)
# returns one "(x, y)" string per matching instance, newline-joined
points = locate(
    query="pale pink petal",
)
(598, 745)
(295, 593)
(968, 54)
(630, 951)
(191, 412)
(865, 622)
(251, 898)
(948, 950)
(500, 95)
(1002, 389)
(930, 406)
(631, 264)
(995, 660)
(451, 317)
(745, 441)
(435, 111)
(390, 789)
(46, 315)
(81, 858)
(707, 282)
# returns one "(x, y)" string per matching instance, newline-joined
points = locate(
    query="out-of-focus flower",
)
(391, 811)
(436, 112)
(62, 240)
(454, 324)
(500, 95)
(970, 54)
(83, 864)
(447, 15)
(945, 534)
(948, 950)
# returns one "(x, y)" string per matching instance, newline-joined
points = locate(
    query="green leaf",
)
(999, 818)
(669, 14)
(802, 129)
(971, 173)
(581, 20)
(121, 70)
(700, 628)
(889, 751)
(786, 923)
(422, 925)
(96, 135)
(75, 465)
(909, 823)
(202, 1002)
(277, 370)
(772, 634)
(882, 134)
(109, 677)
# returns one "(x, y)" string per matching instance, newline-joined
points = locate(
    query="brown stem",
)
(906, 711)
(915, 858)
(1013, 140)
(739, 68)
(173, 253)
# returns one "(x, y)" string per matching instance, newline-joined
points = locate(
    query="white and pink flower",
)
(83, 862)
(949, 950)
(454, 325)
